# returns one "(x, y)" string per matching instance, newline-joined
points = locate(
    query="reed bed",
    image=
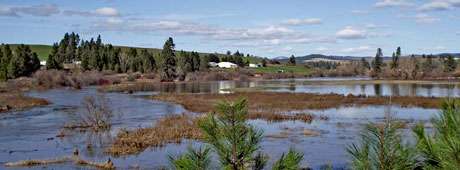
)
(170, 129)
(292, 101)
(75, 158)
(17, 101)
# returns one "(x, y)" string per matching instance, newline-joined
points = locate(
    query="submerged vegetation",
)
(96, 115)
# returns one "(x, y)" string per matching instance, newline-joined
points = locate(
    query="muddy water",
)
(31, 134)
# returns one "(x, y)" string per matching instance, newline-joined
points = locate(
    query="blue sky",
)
(266, 28)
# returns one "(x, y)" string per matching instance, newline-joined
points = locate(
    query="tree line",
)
(18, 62)
(412, 68)
(170, 65)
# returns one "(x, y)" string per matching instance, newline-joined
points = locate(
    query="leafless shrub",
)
(96, 114)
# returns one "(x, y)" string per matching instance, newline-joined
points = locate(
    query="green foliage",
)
(378, 62)
(231, 137)
(184, 64)
(395, 59)
(193, 160)
(450, 64)
(23, 63)
(428, 65)
(441, 150)
(292, 60)
(290, 161)
(148, 62)
(235, 142)
(51, 62)
(381, 149)
(167, 66)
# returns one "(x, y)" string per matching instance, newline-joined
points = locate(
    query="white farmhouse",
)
(255, 65)
(227, 65)
(212, 64)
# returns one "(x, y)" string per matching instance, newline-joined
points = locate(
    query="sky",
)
(267, 28)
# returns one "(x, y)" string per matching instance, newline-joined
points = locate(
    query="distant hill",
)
(44, 50)
(301, 59)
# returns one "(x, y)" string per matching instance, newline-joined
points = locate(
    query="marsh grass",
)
(75, 158)
(284, 102)
(17, 101)
(170, 129)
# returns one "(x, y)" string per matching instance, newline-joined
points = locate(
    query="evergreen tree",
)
(133, 60)
(428, 65)
(450, 64)
(213, 58)
(184, 64)
(195, 61)
(378, 62)
(292, 60)
(204, 63)
(148, 62)
(439, 147)
(51, 62)
(395, 58)
(3, 74)
(168, 61)
(23, 63)
(235, 142)
(5, 60)
(415, 65)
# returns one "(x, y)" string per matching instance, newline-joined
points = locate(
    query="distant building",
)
(213, 64)
(227, 65)
(255, 65)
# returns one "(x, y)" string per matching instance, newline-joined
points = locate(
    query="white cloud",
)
(351, 33)
(425, 19)
(439, 5)
(306, 21)
(359, 12)
(435, 6)
(42, 10)
(107, 11)
(393, 3)
(100, 12)
(359, 49)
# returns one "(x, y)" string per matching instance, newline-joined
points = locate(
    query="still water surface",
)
(31, 134)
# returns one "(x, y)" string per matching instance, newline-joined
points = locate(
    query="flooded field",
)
(31, 134)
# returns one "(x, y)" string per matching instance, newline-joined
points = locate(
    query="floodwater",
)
(355, 86)
(30, 134)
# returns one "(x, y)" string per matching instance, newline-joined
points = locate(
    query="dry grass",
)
(171, 129)
(277, 117)
(17, 101)
(74, 158)
(282, 102)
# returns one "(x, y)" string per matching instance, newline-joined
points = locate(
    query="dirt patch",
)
(17, 101)
(281, 102)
